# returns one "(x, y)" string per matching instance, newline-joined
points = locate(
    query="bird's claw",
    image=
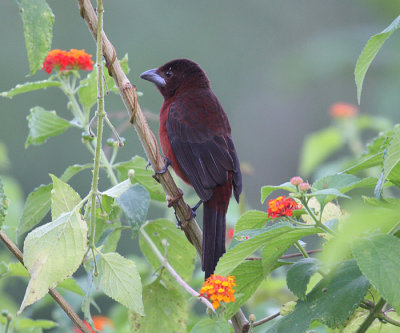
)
(165, 167)
(163, 170)
(148, 164)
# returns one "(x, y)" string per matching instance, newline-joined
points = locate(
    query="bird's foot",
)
(194, 208)
(163, 170)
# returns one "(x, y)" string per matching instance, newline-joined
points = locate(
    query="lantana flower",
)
(282, 206)
(218, 289)
(61, 60)
(99, 323)
(343, 110)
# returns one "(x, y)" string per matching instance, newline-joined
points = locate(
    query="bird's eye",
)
(168, 73)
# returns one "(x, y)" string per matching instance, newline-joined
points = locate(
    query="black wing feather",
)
(201, 141)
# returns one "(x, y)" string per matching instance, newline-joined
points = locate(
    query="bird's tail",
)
(214, 227)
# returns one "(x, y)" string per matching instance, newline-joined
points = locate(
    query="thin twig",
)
(148, 140)
(261, 321)
(53, 292)
(374, 313)
(164, 262)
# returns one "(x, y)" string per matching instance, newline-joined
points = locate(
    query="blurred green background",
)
(276, 67)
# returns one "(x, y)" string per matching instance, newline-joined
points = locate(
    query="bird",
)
(196, 140)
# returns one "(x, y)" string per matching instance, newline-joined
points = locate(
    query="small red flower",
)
(99, 323)
(282, 206)
(343, 110)
(61, 60)
(229, 233)
(218, 289)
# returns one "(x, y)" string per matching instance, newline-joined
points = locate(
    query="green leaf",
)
(299, 274)
(73, 170)
(318, 147)
(267, 190)
(30, 86)
(166, 310)
(329, 187)
(3, 204)
(71, 285)
(277, 246)
(331, 301)
(87, 92)
(180, 253)
(38, 20)
(135, 203)
(120, 280)
(43, 125)
(235, 256)
(117, 190)
(369, 52)
(253, 219)
(17, 269)
(366, 162)
(248, 276)
(63, 198)
(111, 241)
(365, 220)
(142, 176)
(24, 323)
(211, 326)
(379, 260)
(36, 207)
(391, 162)
(53, 252)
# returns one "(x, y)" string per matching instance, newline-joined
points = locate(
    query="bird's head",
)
(177, 76)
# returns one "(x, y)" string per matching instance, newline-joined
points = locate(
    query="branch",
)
(147, 138)
(53, 292)
(374, 313)
(261, 321)
(171, 270)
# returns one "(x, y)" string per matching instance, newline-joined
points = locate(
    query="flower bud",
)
(86, 137)
(131, 173)
(296, 181)
(304, 187)
(252, 318)
(110, 142)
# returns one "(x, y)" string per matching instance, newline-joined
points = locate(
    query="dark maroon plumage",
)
(195, 136)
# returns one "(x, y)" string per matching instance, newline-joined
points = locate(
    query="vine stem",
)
(301, 249)
(52, 291)
(99, 135)
(375, 312)
(317, 221)
(164, 262)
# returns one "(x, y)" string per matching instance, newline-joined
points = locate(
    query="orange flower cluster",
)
(343, 110)
(218, 289)
(282, 206)
(61, 60)
(99, 323)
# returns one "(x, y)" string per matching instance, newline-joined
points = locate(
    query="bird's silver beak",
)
(152, 76)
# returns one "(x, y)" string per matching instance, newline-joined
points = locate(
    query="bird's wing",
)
(201, 140)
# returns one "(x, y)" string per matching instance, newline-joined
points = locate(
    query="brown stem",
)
(53, 292)
(260, 322)
(147, 138)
